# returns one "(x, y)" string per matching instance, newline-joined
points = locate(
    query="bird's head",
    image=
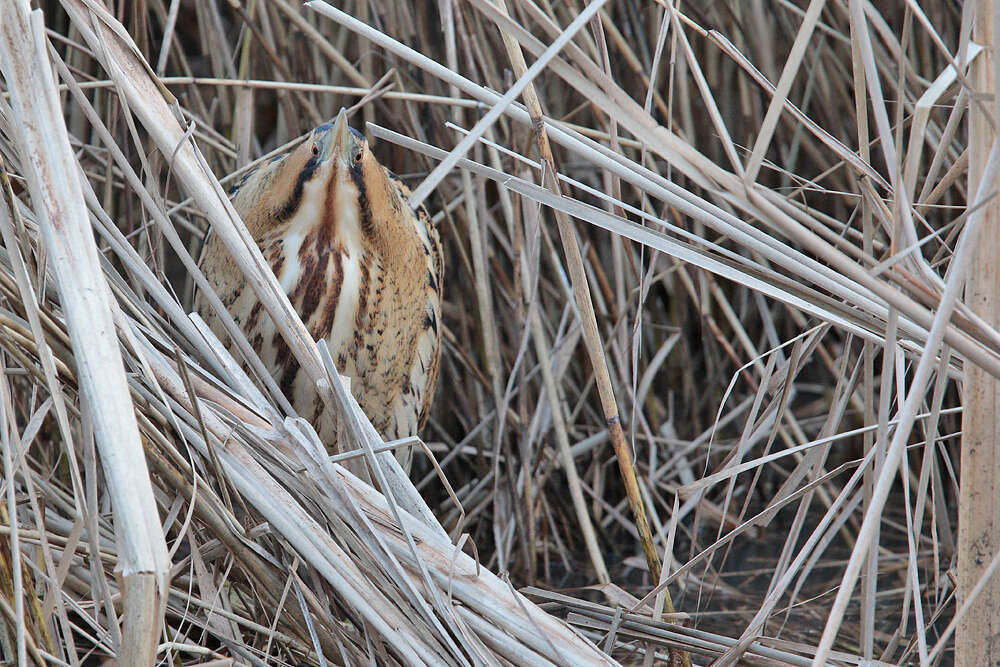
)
(333, 180)
(339, 144)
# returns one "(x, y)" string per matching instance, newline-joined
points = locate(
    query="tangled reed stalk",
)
(705, 262)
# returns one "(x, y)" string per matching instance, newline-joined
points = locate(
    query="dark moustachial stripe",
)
(364, 206)
(289, 207)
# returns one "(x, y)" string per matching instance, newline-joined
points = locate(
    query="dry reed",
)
(705, 263)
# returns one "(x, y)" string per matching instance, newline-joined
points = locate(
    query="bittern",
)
(361, 267)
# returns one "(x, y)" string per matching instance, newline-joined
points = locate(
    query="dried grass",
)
(726, 239)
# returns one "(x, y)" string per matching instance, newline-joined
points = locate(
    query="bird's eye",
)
(357, 157)
(315, 150)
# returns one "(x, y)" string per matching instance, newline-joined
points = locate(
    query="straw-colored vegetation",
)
(705, 263)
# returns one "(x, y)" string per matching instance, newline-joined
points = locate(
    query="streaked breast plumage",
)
(362, 269)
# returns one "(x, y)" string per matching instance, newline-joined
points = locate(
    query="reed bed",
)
(701, 389)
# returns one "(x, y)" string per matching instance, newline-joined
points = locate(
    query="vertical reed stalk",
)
(977, 640)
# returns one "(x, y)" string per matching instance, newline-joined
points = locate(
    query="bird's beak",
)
(340, 139)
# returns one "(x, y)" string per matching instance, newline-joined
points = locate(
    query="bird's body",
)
(361, 268)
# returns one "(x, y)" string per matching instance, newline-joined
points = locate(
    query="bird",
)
(363, 269)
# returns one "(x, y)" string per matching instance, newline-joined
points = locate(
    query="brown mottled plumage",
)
(359, 265)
